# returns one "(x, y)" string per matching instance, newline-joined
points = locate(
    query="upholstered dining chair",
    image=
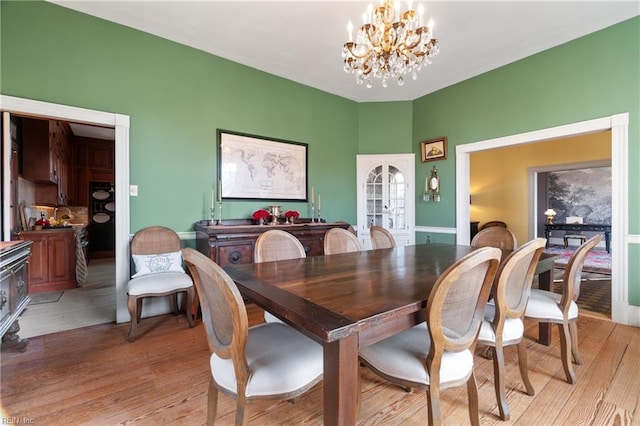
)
(438, 353)
(562, 309)
(338, 240)
(381, 238)
(495, 236)
(503, 323)
(276, 244)
(157, 257)
(265, 361)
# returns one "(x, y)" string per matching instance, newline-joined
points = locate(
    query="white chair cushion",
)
(544, 304)
(281, 360)
(159, 283)
(269, 317)
(404, 356)
(513, 327)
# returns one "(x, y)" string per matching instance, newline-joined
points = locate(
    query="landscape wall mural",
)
(584, 193)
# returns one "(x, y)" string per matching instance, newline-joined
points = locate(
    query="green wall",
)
(176, 98)
(591, 77)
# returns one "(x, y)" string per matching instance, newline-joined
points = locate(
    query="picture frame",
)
(252, 167)
(434, 149)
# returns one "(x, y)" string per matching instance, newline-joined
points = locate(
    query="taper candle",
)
(213, 198)
(219, 191)
(319, 202)
(312, 196)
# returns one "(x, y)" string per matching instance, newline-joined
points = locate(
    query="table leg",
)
(340, 381)
(545, 282)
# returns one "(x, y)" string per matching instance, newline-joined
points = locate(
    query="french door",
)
(386, 196)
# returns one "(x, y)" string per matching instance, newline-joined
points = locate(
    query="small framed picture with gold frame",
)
(434, 149)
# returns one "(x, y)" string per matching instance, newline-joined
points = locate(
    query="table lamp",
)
(550, 213)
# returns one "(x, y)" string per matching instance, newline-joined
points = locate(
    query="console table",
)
(580, 227)
(233, 242)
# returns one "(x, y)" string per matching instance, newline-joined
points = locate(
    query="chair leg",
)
(524, 368)
(212, 403)
(191, 294)
(132, 305)
(565, 350)
(498, 377)
(573, 330)
(241, 404)
(433, 406)
(472, 390)
(173, 297)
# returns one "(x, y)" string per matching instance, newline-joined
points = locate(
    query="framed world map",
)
(257, 167)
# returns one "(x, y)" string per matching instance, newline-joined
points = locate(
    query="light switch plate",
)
(133, 190)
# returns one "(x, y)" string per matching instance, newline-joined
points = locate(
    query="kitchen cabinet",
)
(93, 161)
(14, 298)
(53, 255)
(46, 159)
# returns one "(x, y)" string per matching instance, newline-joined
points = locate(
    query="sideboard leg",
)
(11, 342)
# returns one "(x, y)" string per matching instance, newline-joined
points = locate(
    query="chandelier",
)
(387, 48)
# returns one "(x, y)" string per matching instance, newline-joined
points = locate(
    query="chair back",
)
(155, 240)
(223, 311)
(512, 285)
(277, 245)
(381, 238)
(493, 223)
(573, 273)
(495, 236)
(338, 240)
(457, 302)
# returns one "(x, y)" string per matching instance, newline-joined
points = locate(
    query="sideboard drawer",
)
(235, 254)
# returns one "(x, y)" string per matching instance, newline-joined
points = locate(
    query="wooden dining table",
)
(345, 302)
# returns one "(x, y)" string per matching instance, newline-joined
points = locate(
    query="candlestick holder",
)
(219, 212)
(319, 216)
(213, 216)
(313, 212)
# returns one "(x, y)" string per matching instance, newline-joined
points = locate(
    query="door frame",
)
(361, 176)
(120, 123)
(621, 311)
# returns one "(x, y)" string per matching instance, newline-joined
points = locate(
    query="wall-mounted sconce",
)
(432, 187)
(550, 213)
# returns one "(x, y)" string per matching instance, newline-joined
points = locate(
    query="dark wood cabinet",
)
(14, 298)
(53, 255)
(233, 242)
(47, 159)
(93, 161)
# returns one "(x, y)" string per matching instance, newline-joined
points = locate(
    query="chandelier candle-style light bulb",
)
(389, 44)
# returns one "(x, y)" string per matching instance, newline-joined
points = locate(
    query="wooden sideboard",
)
(233, 242)
(14, 297)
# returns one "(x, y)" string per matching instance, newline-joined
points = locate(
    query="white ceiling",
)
(302, 40)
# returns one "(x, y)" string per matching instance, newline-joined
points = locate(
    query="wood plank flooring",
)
(93, 376)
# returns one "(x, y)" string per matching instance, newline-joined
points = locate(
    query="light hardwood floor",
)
(93, 376)
(94, 303)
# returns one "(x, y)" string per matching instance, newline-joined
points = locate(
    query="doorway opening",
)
(118, 122)
(618, 124)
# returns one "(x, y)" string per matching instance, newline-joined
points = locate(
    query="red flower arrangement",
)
(43, 222)
(261, 214)
(292, 213)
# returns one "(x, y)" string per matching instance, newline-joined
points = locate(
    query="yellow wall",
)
(499, 185)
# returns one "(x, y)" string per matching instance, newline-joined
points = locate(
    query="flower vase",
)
(291, 220)
(261, 221)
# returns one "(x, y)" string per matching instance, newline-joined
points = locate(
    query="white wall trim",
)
(120, 123)
(618, 124)
(436, 229)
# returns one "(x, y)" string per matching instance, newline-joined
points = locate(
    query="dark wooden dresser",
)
(14, 298)
(233, 242)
